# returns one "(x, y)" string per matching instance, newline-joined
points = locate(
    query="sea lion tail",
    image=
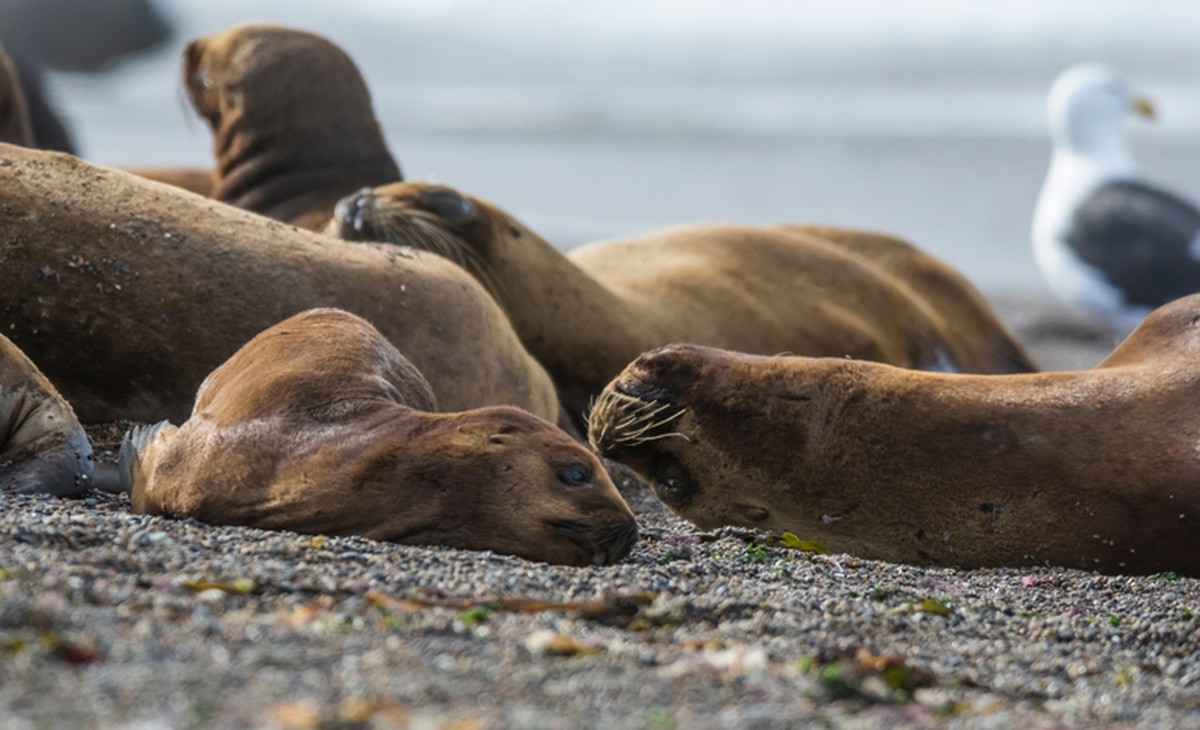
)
(139, 451)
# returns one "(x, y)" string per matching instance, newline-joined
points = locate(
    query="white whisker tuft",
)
(617, 419)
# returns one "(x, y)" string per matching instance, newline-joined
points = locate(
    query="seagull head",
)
(1088, 104)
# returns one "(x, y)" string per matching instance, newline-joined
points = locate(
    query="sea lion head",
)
(292, 121)
(274, 80)
(511, 482)
(695, 421)
(269, 74)
(428, 216)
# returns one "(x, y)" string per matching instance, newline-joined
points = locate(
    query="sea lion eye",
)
(575, 475)
(447, 204)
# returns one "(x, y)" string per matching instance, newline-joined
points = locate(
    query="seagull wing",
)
(1142, 239)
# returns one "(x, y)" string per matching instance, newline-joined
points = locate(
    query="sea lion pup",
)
(1095, 469)
(127, 293)
(319, 425)
(15, 126)
(292, 121)
(42, 446)
(806, 290)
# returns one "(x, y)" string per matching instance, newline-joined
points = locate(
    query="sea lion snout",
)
(638, 417)
(604, 543)
(350, 216)
(198, 82)
(644, 402)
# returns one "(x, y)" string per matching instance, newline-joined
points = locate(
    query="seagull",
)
(1108, 242)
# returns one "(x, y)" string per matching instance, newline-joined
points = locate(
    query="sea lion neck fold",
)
(294, 128)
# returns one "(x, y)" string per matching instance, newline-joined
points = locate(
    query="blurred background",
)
(592, 119)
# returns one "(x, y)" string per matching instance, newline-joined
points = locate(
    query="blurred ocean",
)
(592, 119)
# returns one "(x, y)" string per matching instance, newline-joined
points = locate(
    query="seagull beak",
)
(1143, 107)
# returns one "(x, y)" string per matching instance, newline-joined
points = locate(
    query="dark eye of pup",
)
(575, 475)
(447, 204)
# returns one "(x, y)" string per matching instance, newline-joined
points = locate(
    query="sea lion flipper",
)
(139, 451)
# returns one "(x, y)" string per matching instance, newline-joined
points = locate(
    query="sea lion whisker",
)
(433, 231)
(624, 419)
(646, 427)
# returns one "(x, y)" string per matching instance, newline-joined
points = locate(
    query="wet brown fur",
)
(319, 425)
(127, 293)
(293, 125)
(808, 290)
(192, 179)
(1095, 469)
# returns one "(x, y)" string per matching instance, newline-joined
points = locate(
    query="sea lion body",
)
(292, 121)
(808, 290)
(127, 293)
(42, 446)
(319, 425)
(192, 179)
(1095, 469)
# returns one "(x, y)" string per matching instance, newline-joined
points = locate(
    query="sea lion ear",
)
(447, 204)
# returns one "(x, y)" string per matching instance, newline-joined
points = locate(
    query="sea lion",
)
(1095, 469)
(42, 446)
(15, 126)
(319, 425)
(808, 290)
(193, 179)
(127, 293)
(292, 121)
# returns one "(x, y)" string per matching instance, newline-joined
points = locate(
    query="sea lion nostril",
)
(643, 390)
(350, 212)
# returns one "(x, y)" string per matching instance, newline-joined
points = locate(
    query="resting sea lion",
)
(1095, 469)
(319, 425)
(15, 127)
(807, 290)
(292, 121)
(127, 293)
(192, 179)
(42, 446)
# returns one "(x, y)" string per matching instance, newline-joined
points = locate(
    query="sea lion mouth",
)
(602, 545)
